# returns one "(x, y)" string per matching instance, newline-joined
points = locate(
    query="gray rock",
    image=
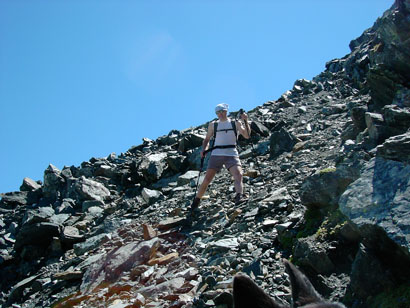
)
(66, 207)
(91, 243)
(91, 203)
(110, 267)
(334, 109)
(29, 185)
(18, 289)
(278, 196)
(71, 235)
(167, 287)
(170, 223)
(187, 177)
(369, 276)
(177, 163)
(41, 214)
(313, 254)
(254, 267)
(224, 244)
(325, 187)
(260, 129)
(105, 170)
(190, 141)
(380, 198)
(396, 116)
(39, 234)
(396, 148)
(151, 196)
(152, 166)
(60, 218)
(358, 117)
(376, 127)
(91, 190)
(13, 199)
(281, 141)
(53, 181)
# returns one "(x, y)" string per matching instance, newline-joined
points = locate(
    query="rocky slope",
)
(328, 175)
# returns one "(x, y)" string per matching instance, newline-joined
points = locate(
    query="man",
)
(224, 152)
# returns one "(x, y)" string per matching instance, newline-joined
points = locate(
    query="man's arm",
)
(208, 137)
(244, 129)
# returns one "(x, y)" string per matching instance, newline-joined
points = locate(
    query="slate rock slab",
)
(112, 265)
(381, 197)
(37, 234)
(91, 190)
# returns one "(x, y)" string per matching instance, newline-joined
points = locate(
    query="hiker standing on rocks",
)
(224, 152)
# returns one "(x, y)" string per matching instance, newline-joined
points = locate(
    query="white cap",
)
(220, 107)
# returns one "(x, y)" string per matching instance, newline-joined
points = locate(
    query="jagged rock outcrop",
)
(327, 176)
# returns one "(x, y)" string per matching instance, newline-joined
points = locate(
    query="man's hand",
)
(244, 117)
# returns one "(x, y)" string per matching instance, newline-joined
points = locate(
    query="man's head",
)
(221, 108)
(221, 111)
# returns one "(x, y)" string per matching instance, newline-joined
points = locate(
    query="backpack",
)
(212, 147)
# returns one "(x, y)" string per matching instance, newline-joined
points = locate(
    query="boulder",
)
(13, 199)
(91, 190)
(16, 292)
(397, 117)
(334, 109)
(187, 177)
(281, 141)
(260, 129)
(380, 199)
(170, 139)
(358, 117)
(91, 243)
(71, 235)
(53, 181)
(325, 187)
(376, 127)
(91, 203)
(312, 254)
(278, 196)
(369, 276)
(396, 148)
(167, 287)
(29, 185)
(110, 267)
(66, 207)
(177, 163)
(152, 167)
(104, 170)
(170, 223)
(41, 214)
(190, 141)
(39, 234)
(151, 196)
(223, 245)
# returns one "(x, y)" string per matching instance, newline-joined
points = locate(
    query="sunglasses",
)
(220, 111)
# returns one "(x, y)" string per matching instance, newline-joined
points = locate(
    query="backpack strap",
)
(212, 147)
(233, 124)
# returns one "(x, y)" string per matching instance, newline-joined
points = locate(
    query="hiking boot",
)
(195, 203)
(240, 198)
(193, 211)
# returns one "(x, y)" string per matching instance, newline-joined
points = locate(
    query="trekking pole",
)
(241, 111)
(199, 176)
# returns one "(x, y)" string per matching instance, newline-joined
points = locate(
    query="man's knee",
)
(236, 172)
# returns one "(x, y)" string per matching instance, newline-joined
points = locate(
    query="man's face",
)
(221, 114)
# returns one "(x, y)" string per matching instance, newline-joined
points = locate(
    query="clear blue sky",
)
(82, 79)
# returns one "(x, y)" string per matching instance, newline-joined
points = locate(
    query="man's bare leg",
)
(236, 172)
(210, 174)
